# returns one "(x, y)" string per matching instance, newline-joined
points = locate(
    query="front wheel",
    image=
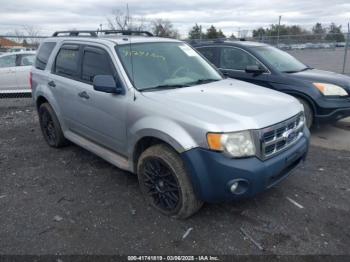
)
(165, 183)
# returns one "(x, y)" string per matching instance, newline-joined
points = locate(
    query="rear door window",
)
(236, 59)
(43, 55)
(67, 61)
(96, 61)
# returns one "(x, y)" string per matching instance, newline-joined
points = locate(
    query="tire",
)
(309, 114)
(163, 180)
(50, 126)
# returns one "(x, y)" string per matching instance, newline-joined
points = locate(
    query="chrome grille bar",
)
(279, 137)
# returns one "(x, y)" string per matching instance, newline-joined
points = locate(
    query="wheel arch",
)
(40, 100)
(144, 143)
(41, 97)
(305, 98)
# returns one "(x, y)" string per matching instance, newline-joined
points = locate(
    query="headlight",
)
(238, 144)
(330, 89)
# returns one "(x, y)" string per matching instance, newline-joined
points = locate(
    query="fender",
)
(293, 90)
(52, 101)
(164, 129)
(303, 96)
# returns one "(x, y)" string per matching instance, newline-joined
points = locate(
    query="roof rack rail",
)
(219, 40)
(75, 33)
(125, 32)
(94, 33)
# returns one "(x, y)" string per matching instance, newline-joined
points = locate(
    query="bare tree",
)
(16, 35)
(121, 20)
(164, 28)
(32, 34)
(27, 35)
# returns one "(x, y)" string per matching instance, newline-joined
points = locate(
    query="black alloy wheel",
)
(161, 184)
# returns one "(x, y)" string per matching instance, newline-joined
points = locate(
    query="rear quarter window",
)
(43, 55)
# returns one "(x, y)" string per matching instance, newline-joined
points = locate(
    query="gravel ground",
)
(69, 201)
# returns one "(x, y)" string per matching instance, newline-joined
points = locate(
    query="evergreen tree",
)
(196, 32)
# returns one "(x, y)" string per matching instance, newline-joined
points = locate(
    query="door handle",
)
(51, 83)
(84, 95)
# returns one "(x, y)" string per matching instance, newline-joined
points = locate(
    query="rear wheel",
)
(164, 182)
(309, 114)
(50, 126)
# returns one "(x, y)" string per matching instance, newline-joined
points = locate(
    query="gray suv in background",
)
(157, 108)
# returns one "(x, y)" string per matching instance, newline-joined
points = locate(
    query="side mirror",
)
(255, 69)
(106, 84)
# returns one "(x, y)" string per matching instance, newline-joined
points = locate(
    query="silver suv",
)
(157, 108)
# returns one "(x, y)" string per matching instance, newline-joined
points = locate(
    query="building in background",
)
(7, 45)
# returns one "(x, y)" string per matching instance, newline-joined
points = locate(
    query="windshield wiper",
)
(163, 87)
(203, 81)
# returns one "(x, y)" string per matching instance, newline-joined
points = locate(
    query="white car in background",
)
(14, 72)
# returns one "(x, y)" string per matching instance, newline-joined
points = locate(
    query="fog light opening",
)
(234, 187)
(238, 186)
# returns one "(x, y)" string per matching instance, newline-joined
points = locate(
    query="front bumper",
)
(331, 110)
(212, 173)
(334, 116)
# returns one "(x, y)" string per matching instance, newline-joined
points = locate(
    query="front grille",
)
(277, 138)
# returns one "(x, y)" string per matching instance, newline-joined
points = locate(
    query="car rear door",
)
(8, 79)
(23, 65)
(233, 62)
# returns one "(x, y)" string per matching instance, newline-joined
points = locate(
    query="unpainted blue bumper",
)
(212, 173)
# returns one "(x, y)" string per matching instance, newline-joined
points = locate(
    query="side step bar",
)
(108, 155)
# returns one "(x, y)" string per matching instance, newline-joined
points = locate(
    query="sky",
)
(231, 16)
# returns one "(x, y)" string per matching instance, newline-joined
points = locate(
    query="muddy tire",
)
(165, 183)
(50, 126)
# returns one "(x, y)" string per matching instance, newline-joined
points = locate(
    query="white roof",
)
(19, 53)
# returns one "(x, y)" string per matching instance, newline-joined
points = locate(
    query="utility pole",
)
(278, 30)
(347, 43)
(127, 17)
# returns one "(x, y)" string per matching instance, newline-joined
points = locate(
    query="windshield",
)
(165, 65)
(280, 60)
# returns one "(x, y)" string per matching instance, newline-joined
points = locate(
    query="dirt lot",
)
(69, 201)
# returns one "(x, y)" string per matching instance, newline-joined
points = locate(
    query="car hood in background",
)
(227, 105)
(320, 76)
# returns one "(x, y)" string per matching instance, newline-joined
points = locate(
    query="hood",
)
(227, 105)
(320, 76)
